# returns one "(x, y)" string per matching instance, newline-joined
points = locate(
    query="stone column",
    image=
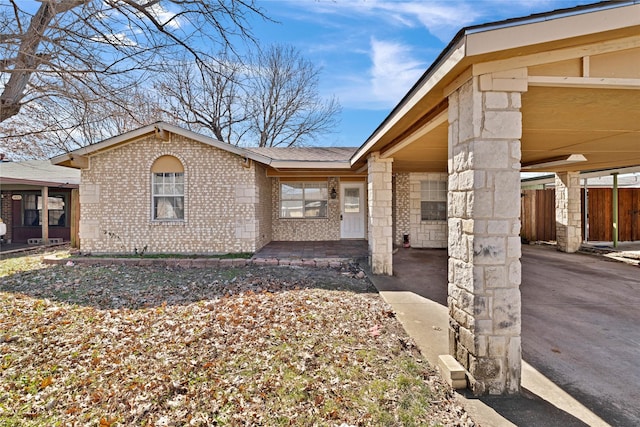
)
(380, 228)
(568, 212)
(485, 127)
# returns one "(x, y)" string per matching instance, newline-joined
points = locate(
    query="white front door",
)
(352, 210)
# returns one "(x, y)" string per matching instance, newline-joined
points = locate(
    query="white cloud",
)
(116, 39)
(441, 18)
(393, 70)
(165, 16)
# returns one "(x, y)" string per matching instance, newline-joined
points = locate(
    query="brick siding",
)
(224, 210)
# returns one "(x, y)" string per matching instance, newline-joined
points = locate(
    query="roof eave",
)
(303, 164)
(158, 127)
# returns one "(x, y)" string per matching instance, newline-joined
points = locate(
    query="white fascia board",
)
(137, 133)
(301, 164)
(424, 86)
(551, 28)
(550, 178)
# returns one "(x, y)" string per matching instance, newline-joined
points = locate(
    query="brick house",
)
(28, 189)
(168, 189)
(554, 92)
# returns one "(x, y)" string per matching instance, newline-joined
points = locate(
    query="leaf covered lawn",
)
(151, 346)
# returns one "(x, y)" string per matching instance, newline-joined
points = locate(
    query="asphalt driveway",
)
(581, 329)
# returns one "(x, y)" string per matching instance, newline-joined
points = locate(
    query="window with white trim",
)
(433, 200)
(303, 199)
(167, 183)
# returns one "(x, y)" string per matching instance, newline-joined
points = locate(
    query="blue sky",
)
(372, 51)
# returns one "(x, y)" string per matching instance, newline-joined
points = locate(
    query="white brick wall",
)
(303, 229)
(424, 234)
(223, 210)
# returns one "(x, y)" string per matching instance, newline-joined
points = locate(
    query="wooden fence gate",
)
(538, 215)
(539, 219)
(601, 214)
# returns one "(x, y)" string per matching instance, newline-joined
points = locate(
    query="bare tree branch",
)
(269, 100)
(286, 109)
(117, 38)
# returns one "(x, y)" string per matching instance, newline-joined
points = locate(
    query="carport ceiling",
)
(601, 124)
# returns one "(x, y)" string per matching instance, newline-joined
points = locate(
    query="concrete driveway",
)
(580, 335)
(581, 329)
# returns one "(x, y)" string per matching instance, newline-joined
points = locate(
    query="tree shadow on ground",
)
(137, 287)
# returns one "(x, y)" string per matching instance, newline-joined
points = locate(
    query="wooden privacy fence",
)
(601, 214)
(538, 214)
(539, 219)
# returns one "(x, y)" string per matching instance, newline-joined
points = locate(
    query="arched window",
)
(167, 187)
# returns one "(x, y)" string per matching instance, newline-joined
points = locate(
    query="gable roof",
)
(38, 173)
(278, 158)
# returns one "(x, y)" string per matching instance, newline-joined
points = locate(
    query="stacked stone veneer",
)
(306, 229)
(485, 126)
(264, 206)
(425, 234)
(568, 212)
(224, 201)
(380, 229)
(407, 212)
(401, 215)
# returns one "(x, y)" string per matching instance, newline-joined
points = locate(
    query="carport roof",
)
(597, 115)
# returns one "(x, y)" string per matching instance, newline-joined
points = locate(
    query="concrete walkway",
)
(417, 292)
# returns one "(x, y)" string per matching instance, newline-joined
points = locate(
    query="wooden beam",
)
(80, 162)
(556, 55)
(74, 211)
(586, 66)
(273, 173)
(584, 82)
(436, 121)
(161, 133)
(44, 216)
(462, 78)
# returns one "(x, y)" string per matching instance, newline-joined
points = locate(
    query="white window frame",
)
(170, 192)
(306, 201)
(433, 200)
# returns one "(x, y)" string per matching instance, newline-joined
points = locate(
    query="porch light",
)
(554, 161)
(334, 194)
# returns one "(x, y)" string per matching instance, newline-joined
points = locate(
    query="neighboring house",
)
(162, 188)
(24, 186)
(553, 92)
